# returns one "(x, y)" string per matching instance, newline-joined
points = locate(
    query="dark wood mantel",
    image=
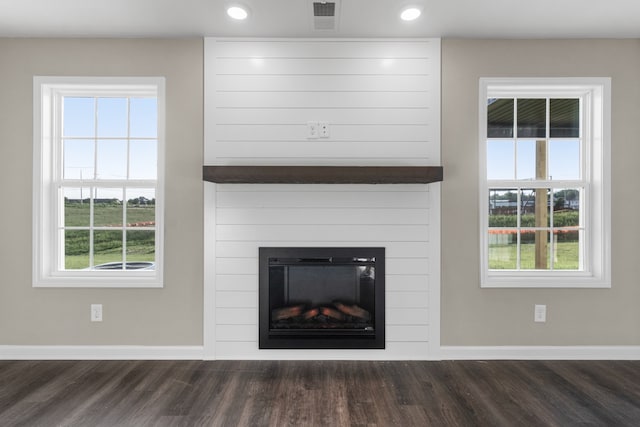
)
(322, 174)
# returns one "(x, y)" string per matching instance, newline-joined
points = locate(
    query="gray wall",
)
(173, 315)
(474, 316)
(168, 316)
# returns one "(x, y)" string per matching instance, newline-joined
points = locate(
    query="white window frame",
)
(47, 94)
(595, 95)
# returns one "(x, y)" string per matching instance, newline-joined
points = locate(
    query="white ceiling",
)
(293, 18)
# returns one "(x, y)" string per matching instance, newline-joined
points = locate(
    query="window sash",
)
(91, 227)
(552, 228)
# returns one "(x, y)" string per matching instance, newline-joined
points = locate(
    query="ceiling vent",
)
(325, 15)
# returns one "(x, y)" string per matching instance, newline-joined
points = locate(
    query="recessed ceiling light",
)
(238, 12)
(410, 13)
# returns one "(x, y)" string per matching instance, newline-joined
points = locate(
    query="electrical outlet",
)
(323, 129)
(312, 130)
(96, 312)
(540, 313)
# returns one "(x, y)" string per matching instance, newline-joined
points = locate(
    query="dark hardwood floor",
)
(319, 393)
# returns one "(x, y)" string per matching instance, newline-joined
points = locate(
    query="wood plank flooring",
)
(319, 393)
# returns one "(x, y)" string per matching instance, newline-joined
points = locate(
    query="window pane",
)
(107, 207)
(532, 117)
(500, 159)
(78, 117)
(144, 118)
(566, 249)
(112, 117)
(143, 159)
(526, 159)
(534, 250)
(141, 207)
(502, 249)
(112, 159)
(499, 118)
(107, 246)
(141, 245)
(503, 208)
(534, 207)
(566, 207)
(78, 159)
(564, 118)
(76, 249)
(564, 159)
(76, 207)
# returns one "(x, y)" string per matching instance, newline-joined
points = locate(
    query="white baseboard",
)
(124, 352)
(540, 353)
(100, 352)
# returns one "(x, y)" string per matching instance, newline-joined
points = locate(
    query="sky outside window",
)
(95, 132)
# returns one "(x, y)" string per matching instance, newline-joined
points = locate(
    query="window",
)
(98, 182)
(545, 182)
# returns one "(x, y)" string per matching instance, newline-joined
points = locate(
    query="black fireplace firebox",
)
(321, 298)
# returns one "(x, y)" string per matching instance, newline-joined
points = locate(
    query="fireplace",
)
(321, 298)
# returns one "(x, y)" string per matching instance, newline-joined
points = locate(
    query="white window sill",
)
(140, 280)
(556, 280)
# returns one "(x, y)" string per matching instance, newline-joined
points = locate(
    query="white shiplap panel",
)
(324, 66)
(342, 82)
(344, 116)
(404, 282)
(362, 100)
(407, 316)
(302, 198)
(315, 48)
(407, 333)
(238, 282)
(322, 150)
(321, 83)
(407, 300)
(238, 266)
(345, 133)
(236, 299)
(237, 316)
(411, 266)
(235, 249)
(236, 333)
(291, 216)
(285, 160)
(249, 267)
(334, 233)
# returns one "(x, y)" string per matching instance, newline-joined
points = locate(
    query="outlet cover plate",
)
(96, 312)
(540, 313)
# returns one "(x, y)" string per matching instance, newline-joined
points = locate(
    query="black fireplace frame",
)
(326, 340)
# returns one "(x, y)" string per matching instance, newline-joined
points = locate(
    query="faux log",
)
(286, 312)
(310, 314)
(353, 310)
(332, 313)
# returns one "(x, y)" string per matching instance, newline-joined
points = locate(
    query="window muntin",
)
(100, 184)
(544, 181)
(518, 227)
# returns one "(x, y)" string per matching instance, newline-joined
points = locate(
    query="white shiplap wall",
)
(381, 100)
